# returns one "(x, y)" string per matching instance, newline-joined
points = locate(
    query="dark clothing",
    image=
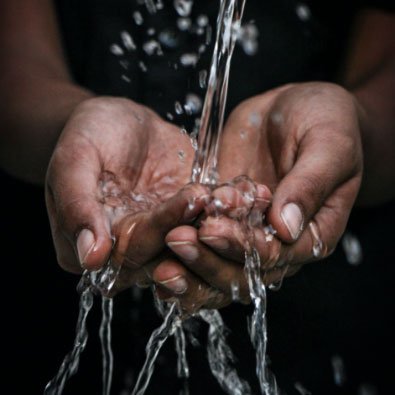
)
(329, 308)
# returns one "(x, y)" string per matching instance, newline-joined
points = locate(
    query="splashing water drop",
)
(142, 66)
(184, 24)
(301, 389)
(126, 78)
(202, 20)
(189, 59)
(138, 18)
(352, 249)
(169, 116)
(169, 38)
(183, 7)
(152, 47)
(178, 108)
(367, 389)
(339, 371)
(128, 41)
(235, 290)
(248, 38)
(151, 31)
(116, 50)
(303, 12)
(203, 78)
(193, 104)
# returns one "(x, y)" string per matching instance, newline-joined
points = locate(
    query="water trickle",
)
(235, 290)
(71, 361)
(155, 343)
(203, 78)
(220, 356)
(105, 339)
(142, 66)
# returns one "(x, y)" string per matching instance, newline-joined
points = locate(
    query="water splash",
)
(220, 356)
(71, 361)
(352, 248)
(155, 343)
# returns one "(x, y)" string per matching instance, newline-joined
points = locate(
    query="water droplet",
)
(178, 108)
(247, 37)
(152, 47)
(339, 373)
(138, 18)
(184, 24)
(203, 78)
(367, 389)
(193, 104)
(202, 20)
(235, 290)
(124, 64)
(301, 389)
(169, 116)
(126, 78)
(142, 66)
(169, 38)
(255, 119)
(128, 41)
(303, 12)
(181, 155)
(151, 31)
(183, 7)
(352, 249)
(209, 33)
(116, 50)
(189, 59)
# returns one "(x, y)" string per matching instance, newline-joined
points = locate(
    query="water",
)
(204, 169)
(155, 343)
(105, 339)
(220, 356)
(71, 361)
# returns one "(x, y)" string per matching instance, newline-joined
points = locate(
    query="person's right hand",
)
(118, 173)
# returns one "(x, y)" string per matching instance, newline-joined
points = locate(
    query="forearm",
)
(33, 113)
(377, 99)
(369, 74)
(37, 93)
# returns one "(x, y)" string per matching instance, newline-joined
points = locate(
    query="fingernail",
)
(85, 245)
(184, 249)
(293, 219)
(216, 242)
(176, 284)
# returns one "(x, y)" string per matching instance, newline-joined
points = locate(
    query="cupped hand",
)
(117, 175)
(302, 142)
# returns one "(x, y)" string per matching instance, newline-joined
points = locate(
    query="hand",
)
(303, 142)
(117, 173)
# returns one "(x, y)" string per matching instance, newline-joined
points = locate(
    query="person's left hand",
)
(303, 143)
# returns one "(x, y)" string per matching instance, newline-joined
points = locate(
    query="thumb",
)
(320, 168)
(76, 214)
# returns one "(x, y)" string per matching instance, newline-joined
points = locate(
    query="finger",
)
(216, 271)
(321, 166)
(141, 237)
(72, 187)
(230, 239)
(174, 281)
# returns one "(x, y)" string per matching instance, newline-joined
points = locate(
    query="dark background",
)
(329, 308)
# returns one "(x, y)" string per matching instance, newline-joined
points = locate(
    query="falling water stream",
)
(204, 170)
